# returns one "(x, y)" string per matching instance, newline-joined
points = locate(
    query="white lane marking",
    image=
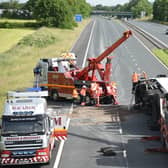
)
(87, 49)
(78, 38)
(122, 141)
(125, 153)
(60, 149)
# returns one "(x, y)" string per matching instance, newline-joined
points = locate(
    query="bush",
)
(41, 38)
(13, 25)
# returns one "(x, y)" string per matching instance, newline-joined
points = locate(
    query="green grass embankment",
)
(10, 37)
(162, 55)
(16, 64)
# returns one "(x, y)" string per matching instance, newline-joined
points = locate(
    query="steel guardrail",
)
(155, 41)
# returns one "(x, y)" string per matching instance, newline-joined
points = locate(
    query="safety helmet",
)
(83, 86)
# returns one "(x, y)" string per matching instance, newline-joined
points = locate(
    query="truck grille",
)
(25, 144)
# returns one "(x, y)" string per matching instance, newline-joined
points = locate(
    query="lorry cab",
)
(56, 75)
(27, 131)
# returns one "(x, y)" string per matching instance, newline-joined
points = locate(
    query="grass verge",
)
(16, 65)
(10, 37)
(162, 55)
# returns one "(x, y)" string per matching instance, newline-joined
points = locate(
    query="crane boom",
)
(110, 49)
(94, 63)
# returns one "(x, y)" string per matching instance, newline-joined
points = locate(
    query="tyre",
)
(88, 100)
(155, 108)
(162, 140)
(55, 95)
(108, 100)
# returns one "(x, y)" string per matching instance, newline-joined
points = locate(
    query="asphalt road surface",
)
(110, 126)
(122, 135)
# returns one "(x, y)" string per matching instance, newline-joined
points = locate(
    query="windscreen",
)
(23, 124)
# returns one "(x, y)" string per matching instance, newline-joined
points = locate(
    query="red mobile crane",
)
(60, 83)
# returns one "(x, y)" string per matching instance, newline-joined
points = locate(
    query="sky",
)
(109, 2)
(95, 2)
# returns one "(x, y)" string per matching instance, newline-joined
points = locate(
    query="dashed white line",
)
(139, 69)
(122, 141)
(124, 153)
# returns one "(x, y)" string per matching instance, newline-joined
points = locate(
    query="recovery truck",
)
(61, 75)
(151, 96)
(28, 131)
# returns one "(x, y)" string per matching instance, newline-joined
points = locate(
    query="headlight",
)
(42, 153)
(5, 155)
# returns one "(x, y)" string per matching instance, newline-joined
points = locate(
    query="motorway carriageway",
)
(123, 128)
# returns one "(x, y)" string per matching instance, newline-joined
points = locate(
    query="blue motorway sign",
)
(78, 17)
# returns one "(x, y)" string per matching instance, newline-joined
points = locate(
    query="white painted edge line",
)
(78, 37)
(146, 47)
(60, 149)
(87, 49)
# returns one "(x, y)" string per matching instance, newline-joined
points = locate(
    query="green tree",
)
(84, 8)
(56, 13)
(139, 6)
(160, 10)
(30, 6)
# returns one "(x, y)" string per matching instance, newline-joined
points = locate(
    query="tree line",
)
(60, 13)
(53, 13)
(159, 9)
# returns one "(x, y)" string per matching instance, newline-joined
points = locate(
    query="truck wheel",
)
(88, 100)
(55, 95)
(108, 100)
(162, 140)
(155, 109)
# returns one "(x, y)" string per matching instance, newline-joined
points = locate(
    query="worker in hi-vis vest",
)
(135, 79)
(144, 75)
(99, 91)
(83, 95)
(75, 95)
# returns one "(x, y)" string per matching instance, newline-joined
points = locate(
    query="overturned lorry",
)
(151, 96)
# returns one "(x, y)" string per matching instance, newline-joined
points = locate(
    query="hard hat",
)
(83, 86)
